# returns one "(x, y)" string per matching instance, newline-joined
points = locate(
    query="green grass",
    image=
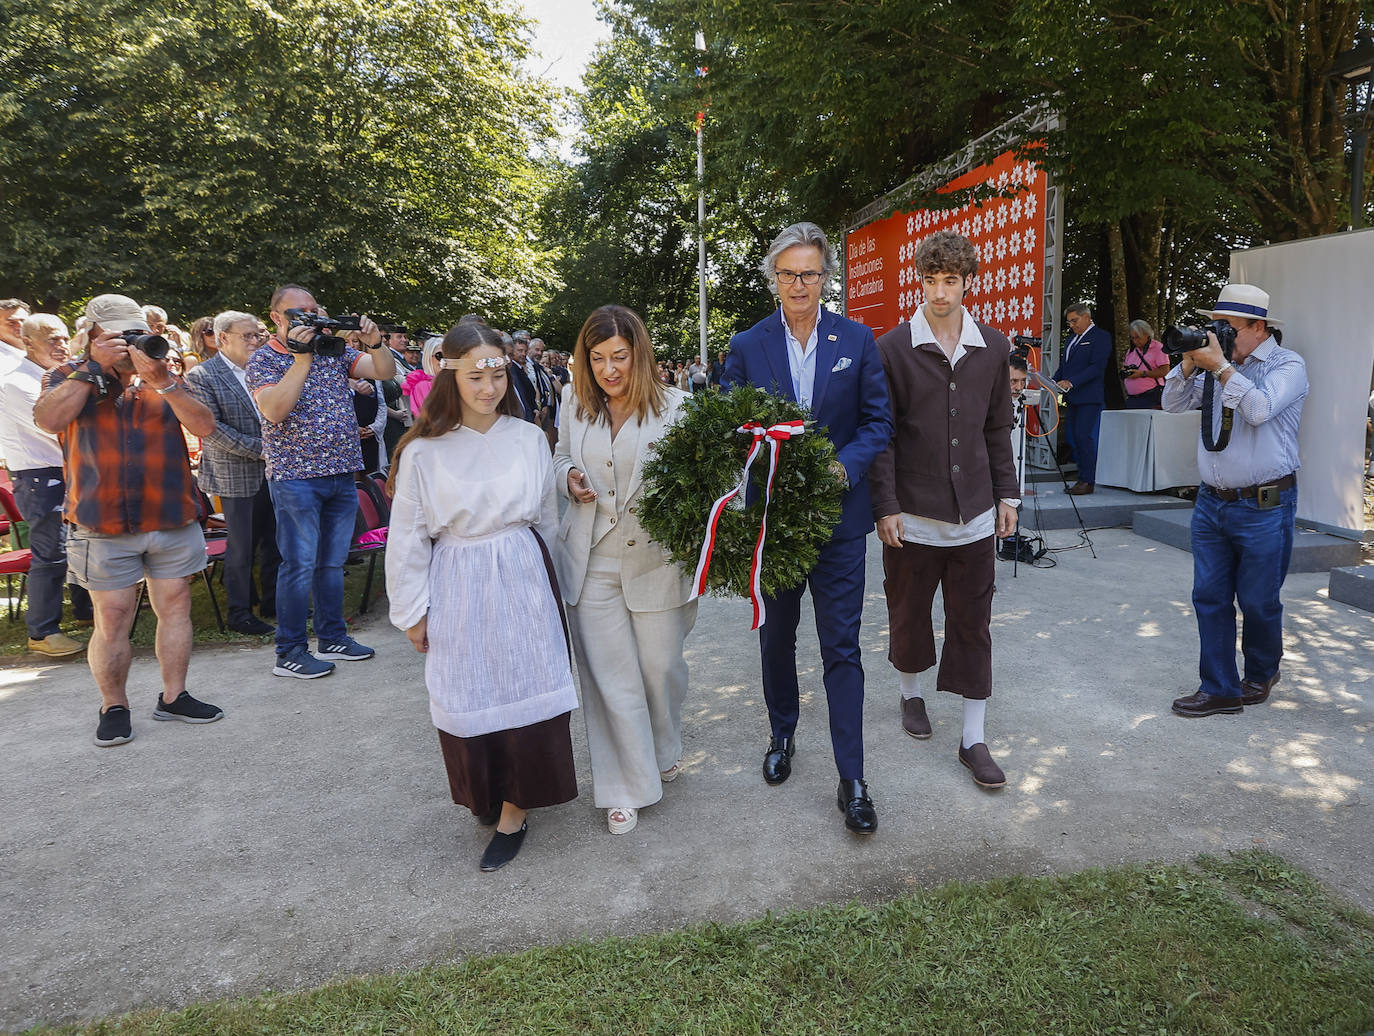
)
(14, 637)
(1247, 944)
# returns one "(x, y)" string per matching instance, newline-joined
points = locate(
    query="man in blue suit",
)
(831, 366)
(1080, 375)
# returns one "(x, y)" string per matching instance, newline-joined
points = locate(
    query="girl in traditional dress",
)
(471, 584)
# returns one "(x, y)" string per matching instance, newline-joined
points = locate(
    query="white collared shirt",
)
(24, 445)
(802, 360)
(242, 375)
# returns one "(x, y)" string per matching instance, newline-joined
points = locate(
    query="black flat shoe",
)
(859, 814)
(503, 848)
(777, 761)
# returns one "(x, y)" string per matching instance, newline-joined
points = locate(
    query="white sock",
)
(910, 684)
(974, 711)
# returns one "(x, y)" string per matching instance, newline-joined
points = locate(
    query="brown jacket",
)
(950, 457)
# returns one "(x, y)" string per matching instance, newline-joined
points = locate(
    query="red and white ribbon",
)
(773, 437)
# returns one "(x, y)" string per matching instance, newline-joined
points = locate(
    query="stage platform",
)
(1103, 508)
(1312, 551)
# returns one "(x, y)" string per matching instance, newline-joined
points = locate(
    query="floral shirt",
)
(320, 435)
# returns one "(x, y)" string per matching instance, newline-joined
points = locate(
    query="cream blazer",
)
(650, 582)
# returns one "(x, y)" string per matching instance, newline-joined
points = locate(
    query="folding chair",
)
(14, 562)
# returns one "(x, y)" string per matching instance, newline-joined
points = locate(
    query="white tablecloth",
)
(1148, 450)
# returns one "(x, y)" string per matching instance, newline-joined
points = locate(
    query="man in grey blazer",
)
(231, 467)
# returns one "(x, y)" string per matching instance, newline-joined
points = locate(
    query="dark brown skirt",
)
(528, 766)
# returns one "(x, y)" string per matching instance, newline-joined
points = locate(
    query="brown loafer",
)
(1204, 704)
(986, 772)
(1081, 489)
(1254, 692)
(914, 719)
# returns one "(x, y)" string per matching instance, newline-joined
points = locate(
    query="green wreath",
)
(699, 460)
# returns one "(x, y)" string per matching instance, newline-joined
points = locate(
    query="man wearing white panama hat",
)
(1242, 528)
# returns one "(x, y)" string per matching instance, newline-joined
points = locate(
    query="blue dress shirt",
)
(802, 361)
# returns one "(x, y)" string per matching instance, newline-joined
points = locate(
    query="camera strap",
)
(1210, 443)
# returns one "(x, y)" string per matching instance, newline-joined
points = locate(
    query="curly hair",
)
(946, 252)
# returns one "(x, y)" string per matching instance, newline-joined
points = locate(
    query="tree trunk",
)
(1120, 313)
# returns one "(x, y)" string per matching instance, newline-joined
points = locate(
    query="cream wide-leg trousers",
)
(634, 680)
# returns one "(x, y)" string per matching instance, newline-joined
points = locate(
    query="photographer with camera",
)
(1242, 527)
(1144, 368)
(300, 381)
(131, 504)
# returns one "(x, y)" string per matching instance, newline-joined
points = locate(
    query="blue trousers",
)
(40, 502)
(1080, 428)
(314, 530)
(837, 592)
(1240, 556)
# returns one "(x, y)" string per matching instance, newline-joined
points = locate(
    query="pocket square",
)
(841, 365)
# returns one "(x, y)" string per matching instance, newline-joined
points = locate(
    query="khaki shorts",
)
(100, 561)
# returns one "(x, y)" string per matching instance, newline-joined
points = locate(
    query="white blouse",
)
(467, 485)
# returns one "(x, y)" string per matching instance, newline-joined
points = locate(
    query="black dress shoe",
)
(503, 848)
(1204, 704)
(777, 761)
(859, 814)
(1254, 692)
(253, 626)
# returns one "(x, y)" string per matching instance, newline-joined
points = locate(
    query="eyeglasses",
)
(807, 277)
(209, 331)
(250, 336)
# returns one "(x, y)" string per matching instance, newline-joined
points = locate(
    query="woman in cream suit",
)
(628, 606)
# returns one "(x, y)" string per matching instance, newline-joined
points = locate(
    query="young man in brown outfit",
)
(943, 492)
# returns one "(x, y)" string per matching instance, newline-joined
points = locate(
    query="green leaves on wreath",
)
(699, 460)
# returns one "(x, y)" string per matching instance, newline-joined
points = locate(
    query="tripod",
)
(1020, 422)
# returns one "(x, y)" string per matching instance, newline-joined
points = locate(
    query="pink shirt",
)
(417, 386)
(1153, 356)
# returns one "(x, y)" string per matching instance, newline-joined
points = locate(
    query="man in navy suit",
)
(1080, 375)
(831, 366)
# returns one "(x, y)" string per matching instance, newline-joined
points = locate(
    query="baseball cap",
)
(116, 313)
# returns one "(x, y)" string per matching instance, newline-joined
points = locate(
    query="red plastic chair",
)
(13, 562)
(374, 514)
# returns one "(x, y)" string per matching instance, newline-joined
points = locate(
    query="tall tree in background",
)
(195, 153)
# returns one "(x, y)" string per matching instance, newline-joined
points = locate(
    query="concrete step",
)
(1103, 508)
(1353, 585)
(1312, 551)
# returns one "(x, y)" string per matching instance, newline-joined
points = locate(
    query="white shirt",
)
(931, 531)
(242, 376)
(10, 358)
(466, 484)
(802, 360)
(22, 443)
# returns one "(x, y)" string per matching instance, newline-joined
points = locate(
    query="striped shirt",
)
(125, 461)
(1266, 392)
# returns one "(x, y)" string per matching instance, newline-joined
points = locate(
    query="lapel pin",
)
(832, 338)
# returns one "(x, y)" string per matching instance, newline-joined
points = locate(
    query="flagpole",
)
(701, 218)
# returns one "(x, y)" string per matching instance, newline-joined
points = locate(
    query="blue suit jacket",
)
(851, 403)
(1086, 368)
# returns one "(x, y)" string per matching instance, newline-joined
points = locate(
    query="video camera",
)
(392, 329)
(325, 342)
(1184, 339)
(1021, 345)
(153, 346)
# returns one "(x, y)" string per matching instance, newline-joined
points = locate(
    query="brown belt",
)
(1250, 492)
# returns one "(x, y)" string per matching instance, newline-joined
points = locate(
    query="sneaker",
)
(302, 665)
(348, 649)
(187, 709)
(116, 726)
(56, 645)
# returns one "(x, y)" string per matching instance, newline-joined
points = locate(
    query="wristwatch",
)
(1225, 366)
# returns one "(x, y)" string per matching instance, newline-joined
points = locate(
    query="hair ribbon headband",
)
(450, 363)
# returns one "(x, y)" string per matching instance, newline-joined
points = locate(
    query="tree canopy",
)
(194, 153)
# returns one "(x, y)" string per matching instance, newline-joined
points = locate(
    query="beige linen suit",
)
(628, 607)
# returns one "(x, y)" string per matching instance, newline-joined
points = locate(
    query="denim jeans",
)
(315, 519)
(41, 505)
(1240, 555)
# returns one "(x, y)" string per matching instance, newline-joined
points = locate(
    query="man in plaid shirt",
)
(131, 504)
